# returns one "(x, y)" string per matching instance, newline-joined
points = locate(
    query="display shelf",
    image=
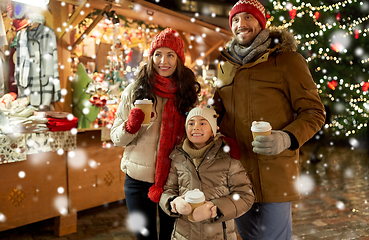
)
(100, 180)
(33, 190)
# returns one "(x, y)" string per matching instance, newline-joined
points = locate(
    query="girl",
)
(173, 89)
(203, 163)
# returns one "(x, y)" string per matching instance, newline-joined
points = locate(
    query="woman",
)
(173, 89)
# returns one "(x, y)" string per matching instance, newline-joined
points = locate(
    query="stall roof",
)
(202, 47)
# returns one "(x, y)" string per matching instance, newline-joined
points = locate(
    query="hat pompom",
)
(155, 193)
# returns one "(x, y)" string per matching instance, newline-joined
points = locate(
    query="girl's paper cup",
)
(195, 198)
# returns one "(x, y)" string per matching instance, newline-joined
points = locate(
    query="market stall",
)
(64, 67)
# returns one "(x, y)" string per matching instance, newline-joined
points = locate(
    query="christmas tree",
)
(332, 36)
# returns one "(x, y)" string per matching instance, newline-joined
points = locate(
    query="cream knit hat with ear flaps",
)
(206, 112)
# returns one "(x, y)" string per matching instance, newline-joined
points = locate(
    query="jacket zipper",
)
(224, 230)
(196, 168)
(198, 175)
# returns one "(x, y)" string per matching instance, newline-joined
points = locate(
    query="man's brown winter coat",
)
(276, 87)
(223, 181)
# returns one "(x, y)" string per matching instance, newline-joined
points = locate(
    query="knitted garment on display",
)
(36, 18)
(250, 6)
(168, 38)
(171, 133)
(19, 24)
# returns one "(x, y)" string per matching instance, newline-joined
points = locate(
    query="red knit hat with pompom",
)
(250, 6)
(168, 38)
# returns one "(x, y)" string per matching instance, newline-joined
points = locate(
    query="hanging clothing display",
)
(37, 72)
(3, 42)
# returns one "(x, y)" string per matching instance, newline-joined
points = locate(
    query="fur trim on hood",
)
(282, 39)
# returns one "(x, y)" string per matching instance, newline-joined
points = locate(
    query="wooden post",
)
(92, 26)
(64, 225)
(61, 14)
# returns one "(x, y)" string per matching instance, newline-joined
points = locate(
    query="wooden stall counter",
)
(60, 181)
(99, 180)
(33, 190)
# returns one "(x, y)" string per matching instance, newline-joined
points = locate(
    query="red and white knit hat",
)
(253, 7)
(168, 38)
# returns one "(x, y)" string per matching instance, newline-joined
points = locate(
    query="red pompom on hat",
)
(168, 38)
(250, 6)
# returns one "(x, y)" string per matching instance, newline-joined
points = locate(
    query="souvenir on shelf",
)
(83, 109)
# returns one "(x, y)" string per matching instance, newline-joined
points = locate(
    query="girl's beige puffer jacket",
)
(223, 181)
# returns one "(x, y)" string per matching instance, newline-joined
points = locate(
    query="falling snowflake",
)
(2, 217)
(306, 184)
(340, 205)
(136, 222)
(226, 148)
(349, 173)
(21, 174)
(236, 197)
(340, 40)
(359, 51)
(354, 142)
(61, 204)
(78, 158)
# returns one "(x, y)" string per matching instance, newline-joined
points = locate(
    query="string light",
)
(352, 97)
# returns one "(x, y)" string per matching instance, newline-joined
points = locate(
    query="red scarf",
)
(171, 133)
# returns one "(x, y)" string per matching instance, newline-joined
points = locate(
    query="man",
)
(263, 78)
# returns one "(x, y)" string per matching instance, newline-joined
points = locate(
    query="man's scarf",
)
(171, 133)
(245, 54)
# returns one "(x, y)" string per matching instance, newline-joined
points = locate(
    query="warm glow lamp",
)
(36, 3)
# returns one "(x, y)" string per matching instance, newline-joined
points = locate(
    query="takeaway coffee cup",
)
(196, 198)
(145, 105)
(260, 128)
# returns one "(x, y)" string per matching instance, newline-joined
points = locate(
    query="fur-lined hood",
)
(282, 39)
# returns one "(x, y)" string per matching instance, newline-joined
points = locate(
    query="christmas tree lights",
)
(332, 37)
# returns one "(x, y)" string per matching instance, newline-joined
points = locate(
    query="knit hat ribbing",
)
(253, 7)
(168, 38)
(206, 112)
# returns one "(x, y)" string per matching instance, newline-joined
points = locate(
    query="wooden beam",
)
(60, 15)
(92, 26)
(74, 17)
(208, 52)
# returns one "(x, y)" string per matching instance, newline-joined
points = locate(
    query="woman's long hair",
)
(188, 87)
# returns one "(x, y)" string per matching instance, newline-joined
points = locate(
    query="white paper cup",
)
(195, 198)
(260, 128)
(146, 106)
